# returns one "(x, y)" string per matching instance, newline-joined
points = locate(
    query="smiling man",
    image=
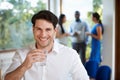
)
(61, 63)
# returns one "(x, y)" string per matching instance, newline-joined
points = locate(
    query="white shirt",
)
(81, 27)
(63, 63)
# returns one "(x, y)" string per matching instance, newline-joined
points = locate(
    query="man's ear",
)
(55, 32)
(56, 29)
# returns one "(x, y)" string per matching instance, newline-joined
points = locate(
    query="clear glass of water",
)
(43, 63)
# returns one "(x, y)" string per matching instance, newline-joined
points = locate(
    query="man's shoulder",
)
(69, 52)
(22, 52)
(73, 23)
(66, 49)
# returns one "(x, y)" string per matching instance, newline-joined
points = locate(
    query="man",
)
(62, 63)
(79, 39)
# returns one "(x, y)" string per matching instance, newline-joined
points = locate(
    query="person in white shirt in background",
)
(79, 38)
(62, 63)
(62, 35)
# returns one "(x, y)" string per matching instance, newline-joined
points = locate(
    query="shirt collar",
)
(55, 48)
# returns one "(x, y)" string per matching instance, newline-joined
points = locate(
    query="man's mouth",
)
(43, 39)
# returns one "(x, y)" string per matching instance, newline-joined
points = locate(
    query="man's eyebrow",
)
(37, 27)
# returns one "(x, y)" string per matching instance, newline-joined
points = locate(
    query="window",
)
(15, 22)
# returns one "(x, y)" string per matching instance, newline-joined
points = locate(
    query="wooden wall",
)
(117, 35)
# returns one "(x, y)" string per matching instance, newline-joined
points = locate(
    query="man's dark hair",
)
(77, 13)
(77, 16)
(46, 15)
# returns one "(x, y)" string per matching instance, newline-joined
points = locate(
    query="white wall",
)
(70, 6)
(108, 52)
(55, 7)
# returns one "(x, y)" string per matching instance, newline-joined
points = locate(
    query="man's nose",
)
(43, 33)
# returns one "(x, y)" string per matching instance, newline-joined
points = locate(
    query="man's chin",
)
(43, 45)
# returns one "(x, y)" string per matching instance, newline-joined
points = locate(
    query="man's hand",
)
(88, 33)
(34, 56)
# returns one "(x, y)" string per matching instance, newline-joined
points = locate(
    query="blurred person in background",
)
(96, 34)
(78, 36)
(62, 35)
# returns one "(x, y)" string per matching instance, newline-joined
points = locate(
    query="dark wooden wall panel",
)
(117, 36)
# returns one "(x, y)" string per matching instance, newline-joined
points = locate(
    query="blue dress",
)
(95, 46)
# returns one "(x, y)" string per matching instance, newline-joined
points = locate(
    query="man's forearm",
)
(16, 74)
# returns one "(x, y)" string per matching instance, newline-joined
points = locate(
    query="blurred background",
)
(16, 27)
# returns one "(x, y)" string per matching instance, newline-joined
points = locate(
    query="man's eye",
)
(37, 28)
(48, 29)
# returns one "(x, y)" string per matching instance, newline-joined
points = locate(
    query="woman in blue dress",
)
(96, 34)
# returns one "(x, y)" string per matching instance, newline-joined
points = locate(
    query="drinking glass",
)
(43, 63)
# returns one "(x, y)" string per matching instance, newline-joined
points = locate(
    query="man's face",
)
(77, 16)
(44, 33)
